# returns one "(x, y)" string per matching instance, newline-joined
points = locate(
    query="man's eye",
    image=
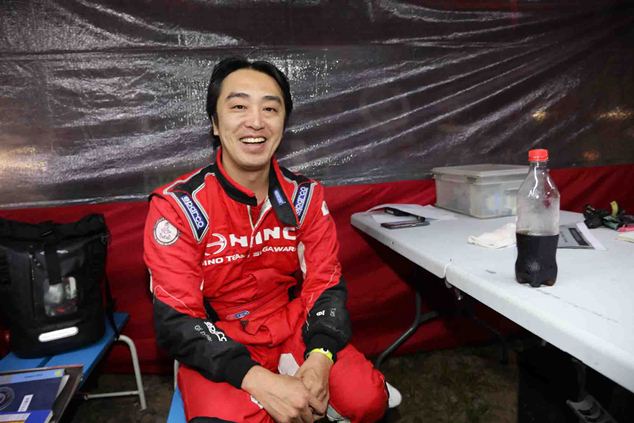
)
(270, 109)
(238, 107)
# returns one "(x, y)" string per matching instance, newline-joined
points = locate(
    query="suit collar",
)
(278, 197)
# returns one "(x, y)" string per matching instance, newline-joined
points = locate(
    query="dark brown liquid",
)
(536, 264)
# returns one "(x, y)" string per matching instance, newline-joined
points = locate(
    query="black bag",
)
(50, 284)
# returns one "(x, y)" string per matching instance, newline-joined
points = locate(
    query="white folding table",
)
(588, 313)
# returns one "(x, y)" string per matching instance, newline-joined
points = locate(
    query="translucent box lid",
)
(483, 172)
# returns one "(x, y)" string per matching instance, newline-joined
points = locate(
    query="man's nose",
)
(254, 119)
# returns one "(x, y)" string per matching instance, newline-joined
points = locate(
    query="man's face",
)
(249, 121)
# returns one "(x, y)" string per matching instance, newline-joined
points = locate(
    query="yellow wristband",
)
(322, 351)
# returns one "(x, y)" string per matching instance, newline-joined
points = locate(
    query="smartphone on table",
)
(405, 224)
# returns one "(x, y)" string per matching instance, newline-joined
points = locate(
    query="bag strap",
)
(53, 268)
(50, 238)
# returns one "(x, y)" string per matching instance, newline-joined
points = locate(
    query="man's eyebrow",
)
(273, 98)
(246, 96)
(239, 95)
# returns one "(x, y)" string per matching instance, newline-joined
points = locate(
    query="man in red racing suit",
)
(242, 285)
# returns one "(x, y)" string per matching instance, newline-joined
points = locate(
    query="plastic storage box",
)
(482, 190)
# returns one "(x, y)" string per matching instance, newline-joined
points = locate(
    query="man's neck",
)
(256, 181)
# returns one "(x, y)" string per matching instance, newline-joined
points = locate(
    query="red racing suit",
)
(227, 273)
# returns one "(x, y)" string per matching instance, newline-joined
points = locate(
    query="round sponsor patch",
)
(164, 232)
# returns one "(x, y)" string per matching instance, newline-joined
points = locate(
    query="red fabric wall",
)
(380, 282)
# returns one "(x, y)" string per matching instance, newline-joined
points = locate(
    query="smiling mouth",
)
(253, 140)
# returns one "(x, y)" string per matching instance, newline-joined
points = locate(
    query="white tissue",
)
(499, 238)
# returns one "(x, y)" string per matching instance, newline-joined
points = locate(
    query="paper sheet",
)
(577, 235)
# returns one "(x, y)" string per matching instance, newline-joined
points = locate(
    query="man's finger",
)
(317, 406)
(318, 416)
(307, 415)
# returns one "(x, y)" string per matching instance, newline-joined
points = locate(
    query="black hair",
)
(232, 64)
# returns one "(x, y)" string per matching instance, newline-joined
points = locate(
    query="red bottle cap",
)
(538, 155)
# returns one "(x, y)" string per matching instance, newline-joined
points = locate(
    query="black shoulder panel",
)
(193, 183)
(304, 188)
(294, 176)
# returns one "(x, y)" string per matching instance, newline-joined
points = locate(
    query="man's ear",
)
(214, 127)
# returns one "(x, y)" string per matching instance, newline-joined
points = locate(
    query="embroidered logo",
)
(302, 199)
(279, 197)
(238, 316)
(221, 243)
(194, 214)
(164, 232)
(212, 330)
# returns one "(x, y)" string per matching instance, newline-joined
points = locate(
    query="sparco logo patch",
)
(301, 200)
(194, 214)
(164, 232)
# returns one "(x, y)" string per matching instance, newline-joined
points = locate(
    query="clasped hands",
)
(299, 398)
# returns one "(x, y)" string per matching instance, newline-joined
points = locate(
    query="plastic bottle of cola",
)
(537, 224)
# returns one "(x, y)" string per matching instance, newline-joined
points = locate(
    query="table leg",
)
(467, 302)
(419, 319)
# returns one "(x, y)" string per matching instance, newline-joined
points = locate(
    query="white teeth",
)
(253, 140)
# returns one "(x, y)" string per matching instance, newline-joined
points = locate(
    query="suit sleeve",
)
(324, 291)
(182, 325)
